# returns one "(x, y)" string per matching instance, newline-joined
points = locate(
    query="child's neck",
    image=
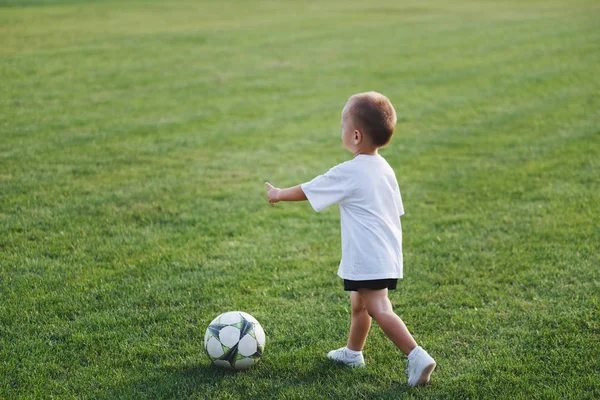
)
(366, 152)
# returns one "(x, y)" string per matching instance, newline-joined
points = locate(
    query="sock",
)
(414, 352)
(353, 352)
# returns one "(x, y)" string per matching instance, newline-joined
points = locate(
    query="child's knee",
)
(380, 315)
(378, 311)
(358, 308)
(373, 313)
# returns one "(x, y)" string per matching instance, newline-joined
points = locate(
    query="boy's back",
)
(370, 205)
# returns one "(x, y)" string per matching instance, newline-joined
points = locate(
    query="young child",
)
(368, 196)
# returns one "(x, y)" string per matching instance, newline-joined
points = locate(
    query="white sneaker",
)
(419, 368)
(342, 355)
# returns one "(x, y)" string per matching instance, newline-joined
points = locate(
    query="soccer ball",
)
(234, 340)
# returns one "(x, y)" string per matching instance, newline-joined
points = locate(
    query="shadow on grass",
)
(322, 380)
(204, 380)
(175, 383)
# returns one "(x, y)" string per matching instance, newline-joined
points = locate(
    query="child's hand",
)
(273, 193)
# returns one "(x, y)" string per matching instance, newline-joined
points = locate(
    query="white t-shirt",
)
(366, 190)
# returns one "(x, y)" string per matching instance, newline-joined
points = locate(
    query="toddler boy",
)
(366, 190)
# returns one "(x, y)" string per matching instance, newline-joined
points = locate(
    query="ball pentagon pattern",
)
(234, 340)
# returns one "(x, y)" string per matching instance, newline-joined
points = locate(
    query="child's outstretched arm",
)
(276, 195)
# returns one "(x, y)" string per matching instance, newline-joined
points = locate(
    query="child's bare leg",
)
(379, 307)
(360, 323)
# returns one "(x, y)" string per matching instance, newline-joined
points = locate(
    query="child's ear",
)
(357, 136)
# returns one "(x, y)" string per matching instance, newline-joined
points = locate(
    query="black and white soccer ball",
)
(234, 340)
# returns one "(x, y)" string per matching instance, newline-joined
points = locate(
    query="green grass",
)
(135, 138)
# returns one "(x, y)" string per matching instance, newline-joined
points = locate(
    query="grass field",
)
(135, 138)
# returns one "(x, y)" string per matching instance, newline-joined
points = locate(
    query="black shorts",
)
(377, 284)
